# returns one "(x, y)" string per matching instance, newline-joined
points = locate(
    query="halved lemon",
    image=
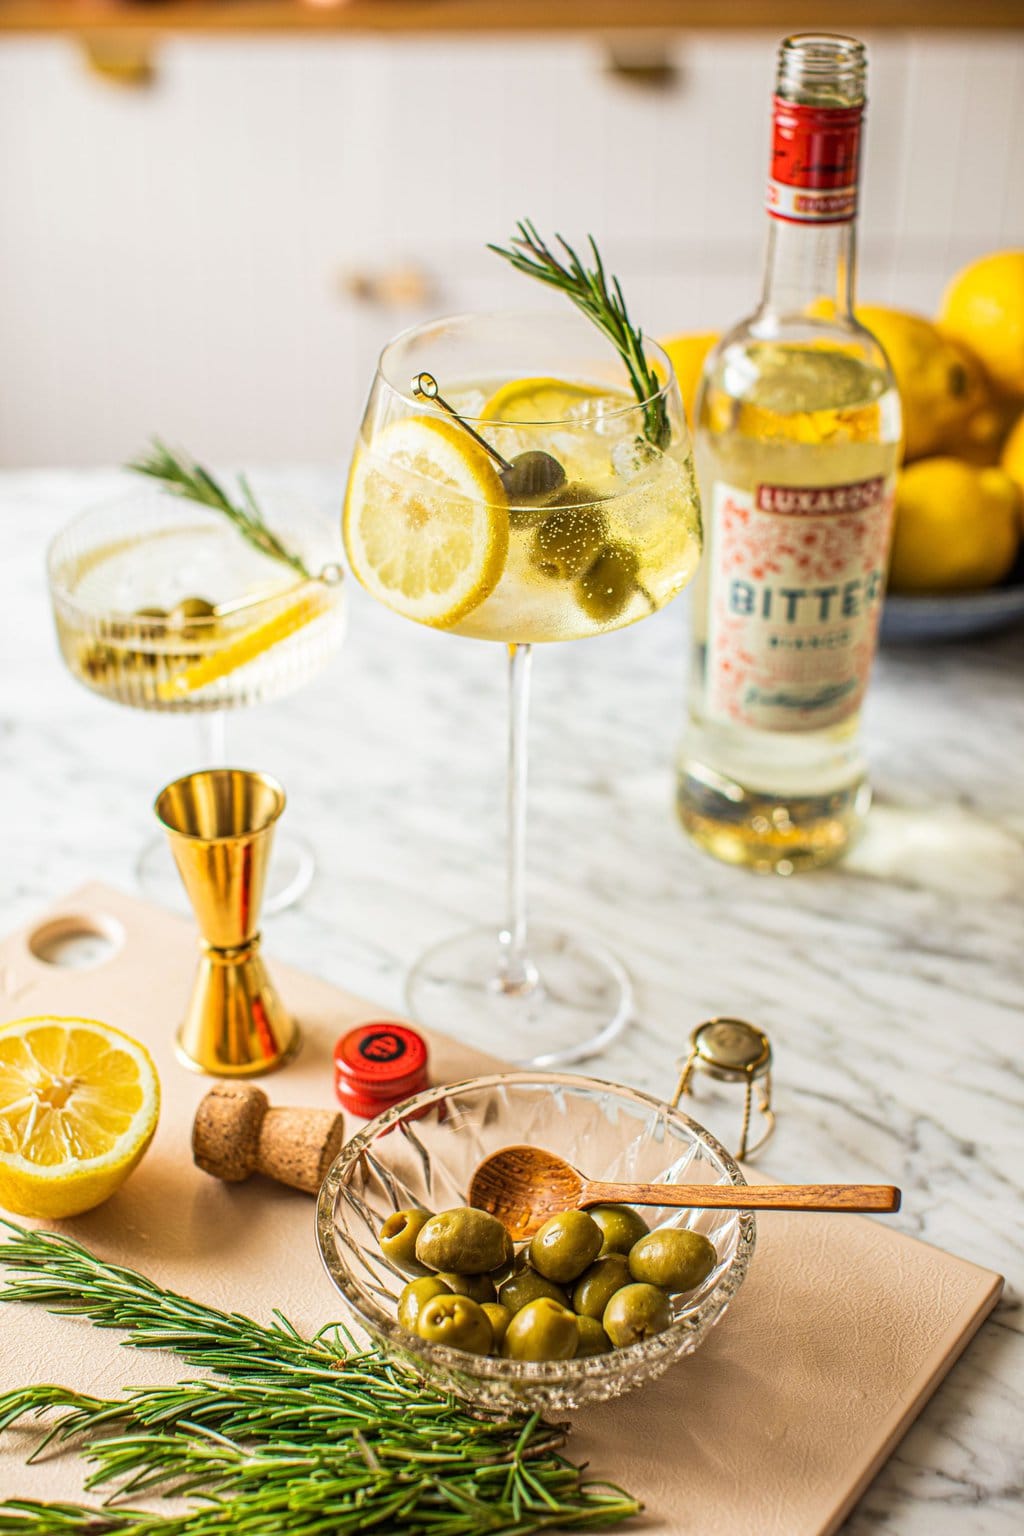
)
(245, 647)
(79, 1103)
(426, 521)
(539, 400)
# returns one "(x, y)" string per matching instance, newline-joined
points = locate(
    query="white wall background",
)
(170, 258)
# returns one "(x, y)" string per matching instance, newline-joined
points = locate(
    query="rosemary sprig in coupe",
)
(300, 1437)
(604, 304)
(194, 483)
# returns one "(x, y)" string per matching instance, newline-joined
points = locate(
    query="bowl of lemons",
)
(957, 562)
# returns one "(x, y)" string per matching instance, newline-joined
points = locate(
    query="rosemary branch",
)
(601, 300)
(192, 482)
(299, 1437)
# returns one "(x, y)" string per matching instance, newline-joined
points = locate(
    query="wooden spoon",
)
(523, 1186)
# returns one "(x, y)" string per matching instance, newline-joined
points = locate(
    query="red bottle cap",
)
(377, 1065)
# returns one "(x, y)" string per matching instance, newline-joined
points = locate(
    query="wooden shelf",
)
(427, 16)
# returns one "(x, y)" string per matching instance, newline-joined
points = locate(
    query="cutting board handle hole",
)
(76, 942)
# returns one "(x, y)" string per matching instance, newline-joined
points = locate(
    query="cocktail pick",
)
(236, 1133)
(527, 477)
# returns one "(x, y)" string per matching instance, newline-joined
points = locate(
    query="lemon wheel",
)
(79, 1103)
(524, 401)
(426, 521)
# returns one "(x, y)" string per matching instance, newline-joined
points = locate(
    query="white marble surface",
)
(892, 988)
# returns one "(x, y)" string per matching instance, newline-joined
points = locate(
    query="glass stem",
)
(212, 746)
(518, 974)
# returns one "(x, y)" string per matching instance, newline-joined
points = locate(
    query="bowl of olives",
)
(596, 1303)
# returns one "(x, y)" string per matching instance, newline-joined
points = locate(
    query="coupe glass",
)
(611, 546)
(119, 574)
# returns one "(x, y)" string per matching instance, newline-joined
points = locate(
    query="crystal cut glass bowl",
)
(423, 1153)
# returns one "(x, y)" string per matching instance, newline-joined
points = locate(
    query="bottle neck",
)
(809, 266)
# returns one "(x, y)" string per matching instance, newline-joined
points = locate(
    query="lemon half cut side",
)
(426, 521)
(79, 1103)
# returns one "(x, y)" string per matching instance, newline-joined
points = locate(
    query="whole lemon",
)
(688, 353)
(1013, 456)
(984, 307)
(942, 386)
(957, 527)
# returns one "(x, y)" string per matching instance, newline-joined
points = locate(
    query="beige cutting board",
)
(773, 1428)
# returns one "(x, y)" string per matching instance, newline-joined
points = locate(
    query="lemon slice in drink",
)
(539, 400)
(426, 521)
(78, 1107)
(246, 646)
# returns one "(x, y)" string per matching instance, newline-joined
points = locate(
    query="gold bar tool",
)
(220, 824)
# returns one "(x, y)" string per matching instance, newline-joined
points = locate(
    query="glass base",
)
(576, 997)
(777, 834)
(292, 867)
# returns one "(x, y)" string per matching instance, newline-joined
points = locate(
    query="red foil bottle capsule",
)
(377, 1065)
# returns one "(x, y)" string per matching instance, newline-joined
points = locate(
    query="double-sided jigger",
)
(733, 1051)
(220, 823)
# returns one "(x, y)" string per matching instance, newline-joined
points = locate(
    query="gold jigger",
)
(220, 824)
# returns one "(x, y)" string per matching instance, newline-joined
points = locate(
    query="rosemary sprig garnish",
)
(298, 1437)
(192, 482)
(602, 301)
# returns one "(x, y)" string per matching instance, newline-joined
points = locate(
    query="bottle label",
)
(815, 162)
(796, 584)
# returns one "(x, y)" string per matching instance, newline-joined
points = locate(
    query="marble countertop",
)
(892, 987)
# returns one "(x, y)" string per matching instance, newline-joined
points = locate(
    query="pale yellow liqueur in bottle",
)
(798, 427)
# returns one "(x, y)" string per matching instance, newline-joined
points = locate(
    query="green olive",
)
(542, 1330)
(463, 1241)
(397, 1238)
(565, 1245)
(568, 542)
(593, 1339)
(532, 475)
(674, 1258)
(598, 1284)
(412, 1298)
(480, 1287)
(622, 1227)
(606, 587)
(457, 1321)
(528, 1286)
(499, 1318)
(193, 608)
(636, 1312)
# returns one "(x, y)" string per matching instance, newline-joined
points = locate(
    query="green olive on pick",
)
(531, 476)
(605, 588)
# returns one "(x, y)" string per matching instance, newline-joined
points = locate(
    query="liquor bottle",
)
(797, 440)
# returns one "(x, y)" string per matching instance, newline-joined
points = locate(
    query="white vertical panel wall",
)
(170, 258)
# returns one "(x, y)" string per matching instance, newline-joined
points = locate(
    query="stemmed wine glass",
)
(161, 604)
(505, 487)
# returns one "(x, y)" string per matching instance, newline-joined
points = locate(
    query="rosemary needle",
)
(297, 1437)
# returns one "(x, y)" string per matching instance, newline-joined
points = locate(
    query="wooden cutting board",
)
(840, 1333)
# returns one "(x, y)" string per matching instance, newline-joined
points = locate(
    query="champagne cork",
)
(237, 1132)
